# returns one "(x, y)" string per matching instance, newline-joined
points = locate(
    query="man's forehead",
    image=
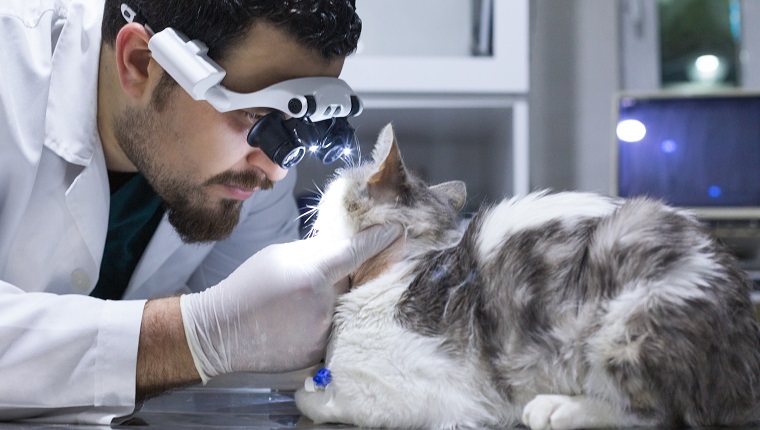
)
(267, 55)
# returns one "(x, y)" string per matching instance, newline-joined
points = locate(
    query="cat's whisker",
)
(307, 214)
(317, 191)
(312, 212)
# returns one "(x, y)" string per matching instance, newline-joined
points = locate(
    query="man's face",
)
(198, 159)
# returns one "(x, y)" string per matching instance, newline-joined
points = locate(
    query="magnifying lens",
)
(286, 141)
(307, 113)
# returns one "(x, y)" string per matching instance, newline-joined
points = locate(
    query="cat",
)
(554, 310)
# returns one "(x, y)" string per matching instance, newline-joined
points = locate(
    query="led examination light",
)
(317, 107)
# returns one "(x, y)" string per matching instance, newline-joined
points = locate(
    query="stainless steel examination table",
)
(230, 401)
(243, 401)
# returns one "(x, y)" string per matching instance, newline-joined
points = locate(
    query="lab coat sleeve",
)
(67, 358)
(270, 217)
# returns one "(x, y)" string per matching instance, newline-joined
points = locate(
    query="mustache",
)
(244, 180)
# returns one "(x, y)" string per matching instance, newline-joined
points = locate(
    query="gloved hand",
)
(273, 313)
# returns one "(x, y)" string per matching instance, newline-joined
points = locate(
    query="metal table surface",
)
(232, 401)
(204, 408)
(247, 401)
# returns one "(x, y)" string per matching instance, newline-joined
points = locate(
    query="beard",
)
(193, 215)
(194, 218)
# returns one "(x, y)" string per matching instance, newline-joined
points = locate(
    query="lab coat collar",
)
(71, 129)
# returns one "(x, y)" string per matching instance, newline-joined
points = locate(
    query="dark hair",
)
(330, 27)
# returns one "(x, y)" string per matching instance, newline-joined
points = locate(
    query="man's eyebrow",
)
(257, 110)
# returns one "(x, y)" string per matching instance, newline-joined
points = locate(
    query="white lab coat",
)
(66, 357)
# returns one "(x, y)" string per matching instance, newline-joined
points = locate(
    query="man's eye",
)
(251, 116)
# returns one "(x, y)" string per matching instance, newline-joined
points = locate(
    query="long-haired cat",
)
(566, 310)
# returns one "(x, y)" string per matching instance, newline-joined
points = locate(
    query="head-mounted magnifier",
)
(309, 114)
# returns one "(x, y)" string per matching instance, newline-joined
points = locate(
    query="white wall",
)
(574, 75)
(426, 27)
(751, 47)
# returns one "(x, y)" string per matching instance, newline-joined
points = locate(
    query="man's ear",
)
(133, 59)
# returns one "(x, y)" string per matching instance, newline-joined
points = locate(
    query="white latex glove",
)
(273, 313)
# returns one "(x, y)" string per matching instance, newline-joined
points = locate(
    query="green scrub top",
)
(134, 215)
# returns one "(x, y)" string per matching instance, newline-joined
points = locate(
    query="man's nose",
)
(259, 159)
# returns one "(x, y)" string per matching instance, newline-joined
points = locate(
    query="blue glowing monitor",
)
(695, 151)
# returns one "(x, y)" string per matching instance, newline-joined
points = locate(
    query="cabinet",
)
(428, 60)
(452, 76)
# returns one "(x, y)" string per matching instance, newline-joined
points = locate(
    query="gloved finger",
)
(342, 286)
(349, 254)
(370, 241)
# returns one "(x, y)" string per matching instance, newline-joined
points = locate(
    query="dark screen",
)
(697, 152)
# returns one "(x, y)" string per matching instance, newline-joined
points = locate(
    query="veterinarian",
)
(118, 181)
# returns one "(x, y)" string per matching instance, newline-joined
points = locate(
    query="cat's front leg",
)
(320, 406)
(558, 412)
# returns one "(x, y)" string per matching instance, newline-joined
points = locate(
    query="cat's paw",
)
(554, 412)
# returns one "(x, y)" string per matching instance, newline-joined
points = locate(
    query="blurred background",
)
(450, 75)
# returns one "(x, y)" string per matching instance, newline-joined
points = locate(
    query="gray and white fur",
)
(565, 310)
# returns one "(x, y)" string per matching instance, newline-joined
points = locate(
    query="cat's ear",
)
(453, 192)
(384, 145)
(390, 177)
